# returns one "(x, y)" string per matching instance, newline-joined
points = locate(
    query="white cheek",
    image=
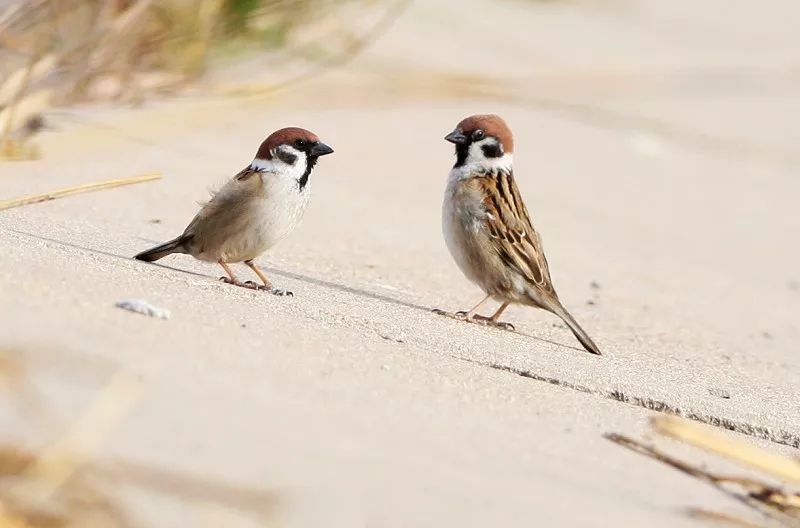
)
(300, 165)
(477, 160)
(476, 150)
(295, 170)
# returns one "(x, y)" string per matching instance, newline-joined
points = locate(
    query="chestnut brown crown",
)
(299, 138)
(491, 124)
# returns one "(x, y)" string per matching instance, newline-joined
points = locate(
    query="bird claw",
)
(461, 316)
(253, 286)
(477, 319)
(451, 315)
(503, 326)
(488, 321)
(250, 285)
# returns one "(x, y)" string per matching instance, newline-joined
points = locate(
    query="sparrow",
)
(253, 211)
(488, 230)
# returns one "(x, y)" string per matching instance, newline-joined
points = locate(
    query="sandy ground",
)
(657, 151)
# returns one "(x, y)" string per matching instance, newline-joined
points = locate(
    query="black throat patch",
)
(462, 151)
(310, 162)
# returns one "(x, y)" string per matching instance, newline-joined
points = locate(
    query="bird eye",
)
(478, 135)
(300, 143)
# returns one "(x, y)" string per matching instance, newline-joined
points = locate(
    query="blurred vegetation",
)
(65, 482)
(56, 52)
(116, 47)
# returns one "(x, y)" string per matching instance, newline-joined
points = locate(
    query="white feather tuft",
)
(261, 165)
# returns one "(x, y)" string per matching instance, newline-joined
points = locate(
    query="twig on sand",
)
(721, 518)
(778, 503)
(777, 466)
(78, 189)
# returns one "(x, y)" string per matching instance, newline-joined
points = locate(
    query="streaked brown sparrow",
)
(488, 230)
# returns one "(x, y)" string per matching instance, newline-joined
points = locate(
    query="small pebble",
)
(720, 393)
(143, 307)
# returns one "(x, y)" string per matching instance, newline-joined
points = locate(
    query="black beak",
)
(457, 137)
(320, 149)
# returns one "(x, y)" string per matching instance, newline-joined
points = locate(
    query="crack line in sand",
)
(779, 436)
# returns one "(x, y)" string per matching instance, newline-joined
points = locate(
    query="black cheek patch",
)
(286, 157)
(492, 151)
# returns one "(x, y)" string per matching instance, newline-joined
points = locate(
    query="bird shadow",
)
(452, 317)
(295, 276)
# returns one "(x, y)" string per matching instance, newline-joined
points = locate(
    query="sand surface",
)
(657, 153)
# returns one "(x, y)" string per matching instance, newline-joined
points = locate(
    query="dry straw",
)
(65, 484)
(69, 191)
(779, 504)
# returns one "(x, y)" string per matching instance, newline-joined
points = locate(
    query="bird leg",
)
(495, 319)
(267, 286)
(231, 278)
(473, 317)
(469, 316)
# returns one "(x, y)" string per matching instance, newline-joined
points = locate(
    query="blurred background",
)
(657, 151)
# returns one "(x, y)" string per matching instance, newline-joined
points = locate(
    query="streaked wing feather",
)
(246, 173)
(508, 223)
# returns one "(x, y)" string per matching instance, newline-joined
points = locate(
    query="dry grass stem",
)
(64, 485)
(778, 504)
(778, 466)
(69, 191)
(721, 518)
(61, 460)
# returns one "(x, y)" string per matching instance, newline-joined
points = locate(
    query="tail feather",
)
(579, 332)
(175, 245)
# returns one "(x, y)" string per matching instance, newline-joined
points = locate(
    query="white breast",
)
(279, 212)
(267, 218)
(461, 216)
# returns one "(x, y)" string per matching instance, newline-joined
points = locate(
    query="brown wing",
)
(246, 173)
(508, 223)
(223, 207)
